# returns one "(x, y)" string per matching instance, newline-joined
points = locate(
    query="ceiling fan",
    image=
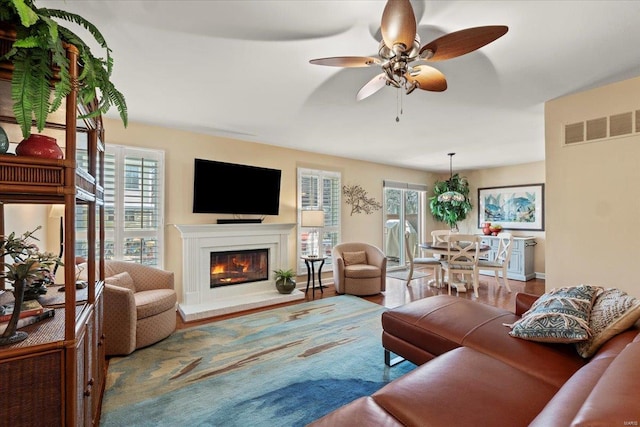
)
(400, 52)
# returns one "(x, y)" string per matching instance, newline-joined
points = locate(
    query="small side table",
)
(310, 262)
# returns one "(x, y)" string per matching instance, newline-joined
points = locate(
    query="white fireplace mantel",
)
(199, 300)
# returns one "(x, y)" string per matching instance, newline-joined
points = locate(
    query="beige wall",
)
(592, 193)
(181, 147)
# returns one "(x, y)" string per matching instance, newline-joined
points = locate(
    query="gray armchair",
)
(359, 269)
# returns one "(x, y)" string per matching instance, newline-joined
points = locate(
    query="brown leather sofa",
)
(477, 374)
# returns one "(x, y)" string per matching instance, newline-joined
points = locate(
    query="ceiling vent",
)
(602, 128)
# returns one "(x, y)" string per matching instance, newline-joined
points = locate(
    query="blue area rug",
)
(282, 367)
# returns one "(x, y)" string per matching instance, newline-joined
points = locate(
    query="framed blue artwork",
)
(514, 207)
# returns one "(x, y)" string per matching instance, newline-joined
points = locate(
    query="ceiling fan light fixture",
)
(426, 54)
(413, 86)
(401, 46)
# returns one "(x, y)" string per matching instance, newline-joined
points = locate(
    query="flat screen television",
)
(229, 188)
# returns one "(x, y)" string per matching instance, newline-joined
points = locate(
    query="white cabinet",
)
(521, 263)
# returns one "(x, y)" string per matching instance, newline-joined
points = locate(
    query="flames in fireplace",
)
(242, 266)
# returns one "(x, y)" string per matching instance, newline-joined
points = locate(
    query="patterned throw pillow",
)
(561, 316)
(613, 312)
(123, 280)
(350, 258)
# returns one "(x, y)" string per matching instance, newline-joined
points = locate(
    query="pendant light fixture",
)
(451, 195)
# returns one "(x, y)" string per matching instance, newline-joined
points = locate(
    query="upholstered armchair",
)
(139, 306)
(359, 269)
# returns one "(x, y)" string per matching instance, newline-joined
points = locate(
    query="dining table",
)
(442, 248)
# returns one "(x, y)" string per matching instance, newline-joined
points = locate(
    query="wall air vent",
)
(574, 133)
(621, 124)
(596, 128)
(616, 125)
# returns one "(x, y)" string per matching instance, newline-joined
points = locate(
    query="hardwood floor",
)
(398, 293)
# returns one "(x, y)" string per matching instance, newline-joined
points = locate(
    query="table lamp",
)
(313, 219)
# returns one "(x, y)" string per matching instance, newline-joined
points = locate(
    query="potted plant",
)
(29, 265)
(451, 211)
(285, 282)
(39, 51)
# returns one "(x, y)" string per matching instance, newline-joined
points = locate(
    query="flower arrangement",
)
(27, 265)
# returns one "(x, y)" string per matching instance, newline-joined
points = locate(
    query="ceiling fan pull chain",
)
(398, 107)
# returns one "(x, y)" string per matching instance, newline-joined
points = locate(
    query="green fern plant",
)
(39, 49)
(451, 212)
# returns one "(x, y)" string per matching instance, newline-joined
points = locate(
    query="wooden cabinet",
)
(56, 376)
(521, 265)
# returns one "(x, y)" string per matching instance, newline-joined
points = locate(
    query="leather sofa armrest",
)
(524, 302)
(119, 320)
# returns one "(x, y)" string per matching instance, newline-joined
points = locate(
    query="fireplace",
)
(239, 266)
(205, 294)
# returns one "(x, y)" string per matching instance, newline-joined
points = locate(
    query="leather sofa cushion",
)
(150, 303)
(362, 271)
(564, 406)
(362, 412)
(550, 362)
(459, 388)
(614, 399)
(440, 323)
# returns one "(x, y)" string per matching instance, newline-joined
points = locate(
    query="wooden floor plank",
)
(399, 293)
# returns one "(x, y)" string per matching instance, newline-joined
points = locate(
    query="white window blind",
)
(134, 205)
(319, 190)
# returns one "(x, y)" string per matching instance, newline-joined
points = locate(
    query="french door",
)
(404, 207)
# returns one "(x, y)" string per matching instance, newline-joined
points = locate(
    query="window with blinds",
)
(133, 204)
(319, 190)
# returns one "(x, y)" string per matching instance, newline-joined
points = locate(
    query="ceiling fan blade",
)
(347, 61)
(372, 86)
(398, 24)
(462, 42)
(428, 78)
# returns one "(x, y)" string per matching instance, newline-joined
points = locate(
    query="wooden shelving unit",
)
(56, 376)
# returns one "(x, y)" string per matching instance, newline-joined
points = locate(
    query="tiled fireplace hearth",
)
(205, 244)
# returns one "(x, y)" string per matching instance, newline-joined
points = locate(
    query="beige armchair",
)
(359, 269)
(139, 306)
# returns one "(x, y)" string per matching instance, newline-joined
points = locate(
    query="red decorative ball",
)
(37, 145)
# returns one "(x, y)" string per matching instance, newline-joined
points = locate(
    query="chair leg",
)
(505, 279)
(410, 275)
(476, 282)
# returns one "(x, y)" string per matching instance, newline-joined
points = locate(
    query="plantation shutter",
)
(321, 190)
(134, 205)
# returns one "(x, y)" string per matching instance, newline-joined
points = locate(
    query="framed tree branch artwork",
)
(514, 207)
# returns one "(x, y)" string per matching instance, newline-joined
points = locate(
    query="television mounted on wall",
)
(229, 188)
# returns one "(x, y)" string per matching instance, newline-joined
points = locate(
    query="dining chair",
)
(440, 236)
(501, 261)
(462, 259)
(429, 262)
